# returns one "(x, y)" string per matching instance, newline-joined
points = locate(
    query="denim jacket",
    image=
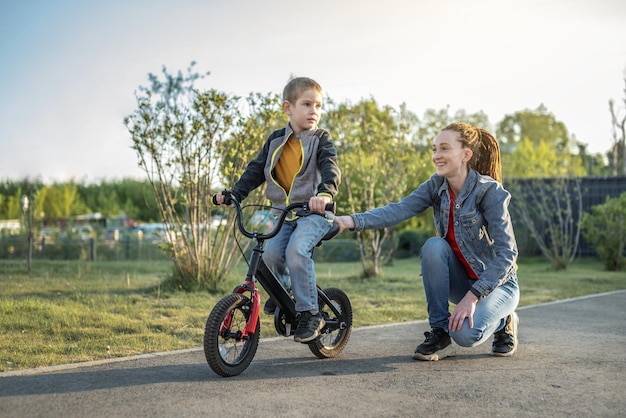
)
(482, 224)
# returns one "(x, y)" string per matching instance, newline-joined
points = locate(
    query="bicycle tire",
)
(331, 342)
(226, 352)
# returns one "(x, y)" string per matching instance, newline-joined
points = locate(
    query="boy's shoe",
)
(436, 346)
(309, 327)
(269, 307)
(505, 340)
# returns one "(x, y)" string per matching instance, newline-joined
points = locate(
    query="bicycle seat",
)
(334, 230)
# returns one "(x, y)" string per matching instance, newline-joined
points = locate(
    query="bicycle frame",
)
(259, 272)
(232, 330)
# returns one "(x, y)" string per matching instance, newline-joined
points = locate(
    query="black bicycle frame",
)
(259, 272)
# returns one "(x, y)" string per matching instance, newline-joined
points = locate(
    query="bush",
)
(604, 229)
(338, 250)
(411, 241)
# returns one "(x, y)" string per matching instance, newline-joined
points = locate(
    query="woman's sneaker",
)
(505, 340)
(309, 327)
(436, 346)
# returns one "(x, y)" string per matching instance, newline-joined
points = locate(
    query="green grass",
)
(65, 312)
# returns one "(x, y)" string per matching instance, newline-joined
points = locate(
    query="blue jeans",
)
(289, 257)
(445, 280)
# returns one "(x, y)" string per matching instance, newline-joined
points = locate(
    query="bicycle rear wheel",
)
(226, 351)
(336, 333)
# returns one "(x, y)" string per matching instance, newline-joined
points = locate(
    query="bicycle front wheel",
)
(226, 350)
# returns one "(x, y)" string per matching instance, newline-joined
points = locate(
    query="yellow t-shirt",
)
(289, 163)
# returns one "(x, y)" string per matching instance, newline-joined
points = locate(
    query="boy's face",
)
(305, 113)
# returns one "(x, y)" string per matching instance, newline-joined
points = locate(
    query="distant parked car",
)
(217, 221)
(152, 232)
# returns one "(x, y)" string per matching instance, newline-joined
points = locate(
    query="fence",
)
(79, 249)
(594, 190)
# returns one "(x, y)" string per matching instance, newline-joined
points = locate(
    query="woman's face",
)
(449, 156)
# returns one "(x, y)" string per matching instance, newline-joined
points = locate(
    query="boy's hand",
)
(318, 203)
(219, 198)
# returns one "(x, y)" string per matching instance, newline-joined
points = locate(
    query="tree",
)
(133, 197)
(617, 154)
(433, 121)
(537, 159)
(378, 163)
(60, 201)
(592, 164)
(264, 116)
(537, 125)
(177, 131)
(551, 209)
(536, 146)
(11, 193)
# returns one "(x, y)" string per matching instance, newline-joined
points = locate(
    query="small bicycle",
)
(232, 332)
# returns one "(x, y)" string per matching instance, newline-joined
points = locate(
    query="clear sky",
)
(69, 68)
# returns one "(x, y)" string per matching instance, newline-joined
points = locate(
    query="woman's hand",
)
(345, 222)
(464, 309)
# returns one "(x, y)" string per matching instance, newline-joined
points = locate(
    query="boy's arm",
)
(329, 169)
(253, 176)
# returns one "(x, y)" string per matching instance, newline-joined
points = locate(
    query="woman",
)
(472, 259)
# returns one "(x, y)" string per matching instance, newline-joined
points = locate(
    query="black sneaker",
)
(436, 346)
(505, 340)
(309, 327)
(269, 307)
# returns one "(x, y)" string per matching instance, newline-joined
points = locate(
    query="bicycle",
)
(232, 331)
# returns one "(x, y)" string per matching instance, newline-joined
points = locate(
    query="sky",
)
(69, 69)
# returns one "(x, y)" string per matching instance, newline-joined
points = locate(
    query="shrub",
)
(411, 241)
(604, 229)
(338, 249)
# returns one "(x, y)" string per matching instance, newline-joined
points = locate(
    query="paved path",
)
(571, 363)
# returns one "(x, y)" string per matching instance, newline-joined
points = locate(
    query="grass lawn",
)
(66, 312)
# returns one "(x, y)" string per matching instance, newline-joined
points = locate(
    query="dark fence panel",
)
(595, 191)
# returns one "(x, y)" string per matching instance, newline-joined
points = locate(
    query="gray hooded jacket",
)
(318, 175)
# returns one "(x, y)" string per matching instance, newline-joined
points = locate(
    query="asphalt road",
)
(571, 362)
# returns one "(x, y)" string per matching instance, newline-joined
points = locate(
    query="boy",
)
(299, 163)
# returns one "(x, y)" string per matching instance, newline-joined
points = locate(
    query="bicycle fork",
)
(253, 314)
(255, 298)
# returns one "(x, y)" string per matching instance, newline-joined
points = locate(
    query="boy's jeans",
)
(288, 255)
(445, 280)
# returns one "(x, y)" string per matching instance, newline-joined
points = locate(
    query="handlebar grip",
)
(331, 207)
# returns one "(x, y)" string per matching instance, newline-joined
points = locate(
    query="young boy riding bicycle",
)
(299, 163)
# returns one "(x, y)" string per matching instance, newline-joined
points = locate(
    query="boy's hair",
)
(296, 86)
(485, 148)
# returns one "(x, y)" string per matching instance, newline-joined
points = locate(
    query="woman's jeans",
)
(289, 256)
(445, 280)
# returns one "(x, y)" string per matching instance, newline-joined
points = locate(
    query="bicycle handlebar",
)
(304, 206)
